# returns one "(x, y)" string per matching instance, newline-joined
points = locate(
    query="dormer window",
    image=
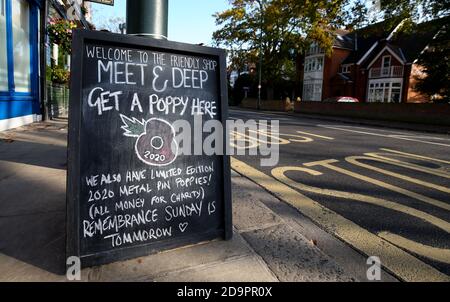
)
(345, 68)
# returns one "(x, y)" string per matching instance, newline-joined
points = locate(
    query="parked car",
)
(342, 99)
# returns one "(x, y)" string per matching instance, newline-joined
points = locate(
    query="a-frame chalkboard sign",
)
(130, 190)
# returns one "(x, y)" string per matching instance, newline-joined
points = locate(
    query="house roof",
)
(343, 39)
(406, 44)
(414, 41)
(364, 38)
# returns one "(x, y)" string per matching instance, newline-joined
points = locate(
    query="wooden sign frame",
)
(80, 38)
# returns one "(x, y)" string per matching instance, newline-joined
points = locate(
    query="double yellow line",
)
(400, 263)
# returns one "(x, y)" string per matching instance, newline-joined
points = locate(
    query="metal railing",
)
(58, 100)
(386, 72)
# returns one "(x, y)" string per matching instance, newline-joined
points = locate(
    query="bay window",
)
(385, 91)
(314, 64)
(312, 90)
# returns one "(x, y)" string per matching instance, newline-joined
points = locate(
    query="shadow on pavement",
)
(32, 199)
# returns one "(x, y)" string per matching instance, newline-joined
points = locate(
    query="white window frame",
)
(384, 60)
(374, 86)
(312, 90)
(346, 68)
(314, 49)
(312, 63)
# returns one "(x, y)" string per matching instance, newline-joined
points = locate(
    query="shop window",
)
(19, 53)
(21, 45)
(3, 48)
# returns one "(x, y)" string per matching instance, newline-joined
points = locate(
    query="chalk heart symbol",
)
(183, 226)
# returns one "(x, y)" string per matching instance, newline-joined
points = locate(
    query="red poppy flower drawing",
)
(155, 144)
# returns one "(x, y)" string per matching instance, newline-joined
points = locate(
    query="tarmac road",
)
(385, 192)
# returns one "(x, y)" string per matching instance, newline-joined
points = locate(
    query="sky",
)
(190, 21)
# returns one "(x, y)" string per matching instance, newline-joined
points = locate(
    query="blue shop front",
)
(20, 36)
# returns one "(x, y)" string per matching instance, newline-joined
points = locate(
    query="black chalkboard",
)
(134, 188)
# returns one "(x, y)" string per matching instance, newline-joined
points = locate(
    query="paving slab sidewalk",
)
(32, 228)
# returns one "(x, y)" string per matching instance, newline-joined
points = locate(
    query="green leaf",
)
(132, 127)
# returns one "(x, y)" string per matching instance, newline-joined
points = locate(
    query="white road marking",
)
(416, 156)
(401, 137)
(399, 262)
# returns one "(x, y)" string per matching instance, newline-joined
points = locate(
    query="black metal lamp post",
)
(148, 18)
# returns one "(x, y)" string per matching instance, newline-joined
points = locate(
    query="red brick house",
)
(373, 64)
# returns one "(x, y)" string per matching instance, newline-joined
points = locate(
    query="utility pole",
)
(261, 4)
(148, 18)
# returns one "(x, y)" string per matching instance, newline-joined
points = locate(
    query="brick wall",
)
(433, 114)
(332, 66)
(272, 105)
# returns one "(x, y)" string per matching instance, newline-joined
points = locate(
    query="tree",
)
(112, 24)
(413, 10)
(276, 28)
(435, 63)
